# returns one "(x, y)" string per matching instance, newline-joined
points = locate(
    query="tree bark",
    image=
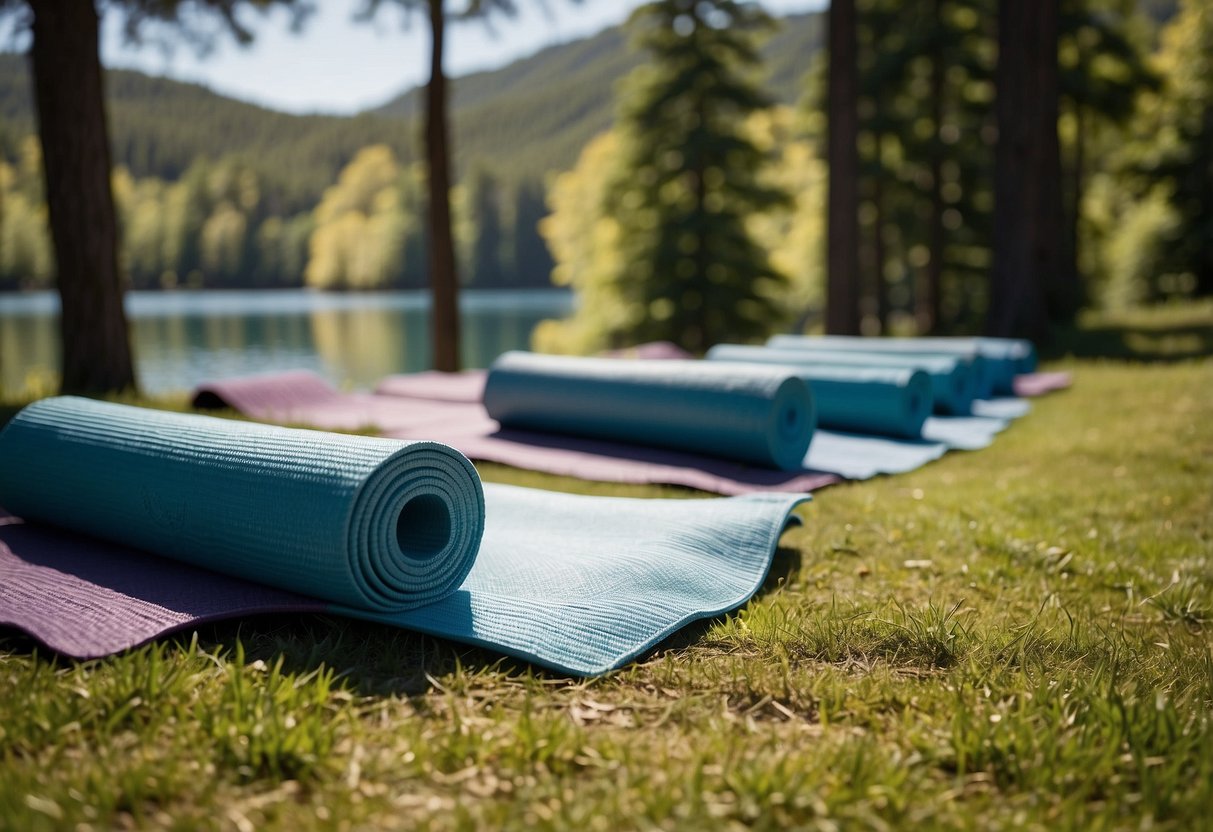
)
(880, 286)
(1027, 190)
(444, 283)
(68, 91)
(842, 154)
(1073, 212)
(926, 312)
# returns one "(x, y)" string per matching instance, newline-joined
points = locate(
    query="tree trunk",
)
(880, 287)
(1027, 192)
(444, 284)
(66, 71)
(1204, 251)
(926, 312)
(842, 155)
(1073, 212)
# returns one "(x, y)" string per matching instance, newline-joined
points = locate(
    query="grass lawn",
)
(1014, 638)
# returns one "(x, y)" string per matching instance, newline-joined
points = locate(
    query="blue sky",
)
(338, 66)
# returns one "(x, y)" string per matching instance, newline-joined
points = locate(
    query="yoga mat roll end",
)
(795, 420)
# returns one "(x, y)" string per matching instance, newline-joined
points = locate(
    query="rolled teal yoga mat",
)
(956, 380)
(372, 523)
(883, 400)
(385, 530)
(1004, 357)
(759, 415)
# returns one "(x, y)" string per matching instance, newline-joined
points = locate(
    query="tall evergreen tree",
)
(74, 134)
(842, 154)
(484, 203)
(1027, 196)
(444, 280)
(96, 352)
(689, 178)
(440, 236)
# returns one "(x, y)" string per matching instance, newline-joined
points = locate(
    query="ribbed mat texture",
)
(131, 523)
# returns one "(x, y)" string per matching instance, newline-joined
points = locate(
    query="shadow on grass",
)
(375, 659)
(1151, 336)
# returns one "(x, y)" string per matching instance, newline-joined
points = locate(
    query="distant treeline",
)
(217, 192)
(215, 228)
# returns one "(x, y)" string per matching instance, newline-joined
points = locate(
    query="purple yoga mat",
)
(446, 408)
(86, 598)
(1032, 385)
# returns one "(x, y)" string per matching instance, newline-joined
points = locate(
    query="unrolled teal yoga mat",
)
(386, 530)
(761, 415)
(889, 401)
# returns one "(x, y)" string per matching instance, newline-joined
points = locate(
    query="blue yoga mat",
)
(956, 380)
(859, 456)
(388, 530)
(863, 456)
(1002, 408)
(234, 496)
(963, 433)
(1004, 357)
(889, 401)
(760, 415)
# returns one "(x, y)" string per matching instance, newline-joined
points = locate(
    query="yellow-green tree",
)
(360, 226)
(25, 247)
(584, 241)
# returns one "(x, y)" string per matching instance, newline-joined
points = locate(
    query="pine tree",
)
(842, 155)
(689, 179)
(1027, 189)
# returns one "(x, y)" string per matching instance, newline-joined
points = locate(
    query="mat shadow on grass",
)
(375, 659)
(1178, 335)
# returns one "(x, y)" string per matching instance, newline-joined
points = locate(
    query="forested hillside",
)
(218, 192)
(520, 122)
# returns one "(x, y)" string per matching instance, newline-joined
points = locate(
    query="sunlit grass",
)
(1016, 638)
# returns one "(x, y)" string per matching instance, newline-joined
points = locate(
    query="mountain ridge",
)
(521, 121)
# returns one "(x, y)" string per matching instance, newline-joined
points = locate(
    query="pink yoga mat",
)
(446, 408)
(1032, 385)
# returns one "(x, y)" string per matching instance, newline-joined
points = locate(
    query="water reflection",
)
(182, 338)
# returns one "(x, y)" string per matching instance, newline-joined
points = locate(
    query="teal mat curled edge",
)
(382, 529)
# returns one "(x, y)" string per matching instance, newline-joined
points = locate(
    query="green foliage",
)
(687, 179)
(584, 234)
(25, 251)
(358, 239)
(927, 112)
(516, 124)
(1184, 144)
(1147, 213)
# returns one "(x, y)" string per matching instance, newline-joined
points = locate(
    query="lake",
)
(184, 337)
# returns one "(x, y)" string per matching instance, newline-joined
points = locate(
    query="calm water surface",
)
(182, 338)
